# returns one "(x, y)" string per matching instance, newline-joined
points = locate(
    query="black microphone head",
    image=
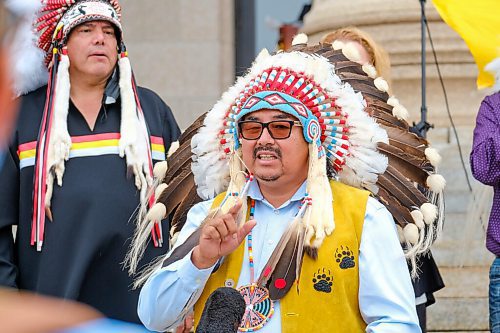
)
(223, 312)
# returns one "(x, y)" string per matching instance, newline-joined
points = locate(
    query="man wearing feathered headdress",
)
(308, 253)
(80, 162)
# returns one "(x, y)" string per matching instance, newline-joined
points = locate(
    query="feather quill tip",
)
(160, 169)
(430, 212)
(381, 84)
(401, 235)
(173, 147)
(433, 156)
(393, 101)
(400, 112)
(410, 232)
(351, 52)
(436, 183)
(300, 39)
(157, 212)
(338, 45)
(159, 190)
(418, 218)
(369, 70)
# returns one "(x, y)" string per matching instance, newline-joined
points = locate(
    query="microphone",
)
(223, 312)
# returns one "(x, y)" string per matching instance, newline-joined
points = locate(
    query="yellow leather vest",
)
(328, 286)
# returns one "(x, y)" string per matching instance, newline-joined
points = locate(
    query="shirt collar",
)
(112, 90)
(255, 194)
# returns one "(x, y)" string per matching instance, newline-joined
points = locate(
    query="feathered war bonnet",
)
(356, 134)
(53, 24)
(354, 130)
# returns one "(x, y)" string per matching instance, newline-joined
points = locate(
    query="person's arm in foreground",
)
(170, 292)
(386, 298)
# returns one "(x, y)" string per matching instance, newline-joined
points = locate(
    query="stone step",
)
(458, 314)
(462, 306)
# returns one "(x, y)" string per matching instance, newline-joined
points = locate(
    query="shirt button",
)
(229, 283)
(198, 281)
(277, 211)
(270, 242)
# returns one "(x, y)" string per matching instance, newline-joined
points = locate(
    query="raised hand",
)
(219, 237)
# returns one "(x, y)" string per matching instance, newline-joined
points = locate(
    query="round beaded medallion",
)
(259, 308)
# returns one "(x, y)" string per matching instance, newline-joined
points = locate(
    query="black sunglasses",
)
(278, 129)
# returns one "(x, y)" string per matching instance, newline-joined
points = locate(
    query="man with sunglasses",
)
(342, 289)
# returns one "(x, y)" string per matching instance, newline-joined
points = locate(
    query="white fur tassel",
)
(411, 233)
(60, 140)
(320, 219)
(133, 142)
(430, 212)
(433, 156)
(381, 84)
(436, 183)
(300, 39)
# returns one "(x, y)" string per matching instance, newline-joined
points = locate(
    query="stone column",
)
(183, 50)
(395, 24)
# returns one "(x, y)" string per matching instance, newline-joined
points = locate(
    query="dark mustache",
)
(266, 148)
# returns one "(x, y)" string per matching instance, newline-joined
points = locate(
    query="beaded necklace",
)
(259, 306)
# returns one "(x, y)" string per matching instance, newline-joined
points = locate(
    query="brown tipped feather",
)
(180, 160)
(399, 179)
(402, 195)
(409, 165)
(401, 214)
(384, 118)
(176, 191)
(180, 216)
(182, 250)
(285, 268)
(405, 137)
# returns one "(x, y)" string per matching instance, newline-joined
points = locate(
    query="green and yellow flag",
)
(478, 23)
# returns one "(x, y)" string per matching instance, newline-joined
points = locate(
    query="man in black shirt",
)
(80, 162)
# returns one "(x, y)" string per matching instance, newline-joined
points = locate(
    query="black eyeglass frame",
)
(266, 125)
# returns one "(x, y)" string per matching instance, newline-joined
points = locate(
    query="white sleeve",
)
(170, 292)
(386, 297)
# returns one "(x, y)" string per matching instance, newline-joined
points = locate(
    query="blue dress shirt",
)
(386, 298)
